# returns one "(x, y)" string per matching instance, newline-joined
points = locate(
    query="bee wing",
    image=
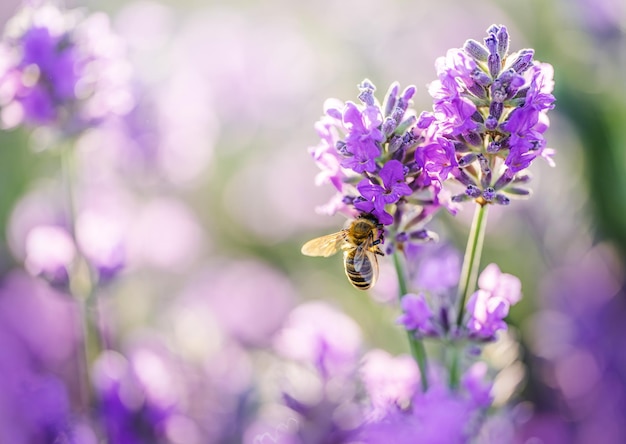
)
(366, 249)
(325, 245)
(374, 261)
(359, 257)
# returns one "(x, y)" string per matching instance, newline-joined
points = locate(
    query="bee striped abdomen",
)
(362, 279)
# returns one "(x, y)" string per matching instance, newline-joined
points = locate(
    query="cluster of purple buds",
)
(489, 116)
(431, 314)
(369, 153)
(61, 69)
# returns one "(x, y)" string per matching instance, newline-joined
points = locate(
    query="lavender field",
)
(329, 222)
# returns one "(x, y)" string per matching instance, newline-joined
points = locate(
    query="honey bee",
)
(360, 244)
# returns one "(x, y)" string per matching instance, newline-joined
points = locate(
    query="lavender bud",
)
(479, 76)
(503, 41)
(489, 194)
(402, 237)
(518, 191)
(458, 198)
(522, 178)
(491, 42)
(350, 200)
(498, 94)
(395, 143)
(474, 139)
(494, 65)
(367, 84)
(476, 50)
(523, 61)
(484, 163)
(478, 91)
(391, 98)
(464, 178)
(397, 113)
(495, 110)
(367, 97)
(408, 94)
(406, 124)
(473, 191)
(491, 123)
(502, 182)
(388, 126)
(413, 168)
(467, 159)
(493, 29)
(501, 199)
(459, 146)
(423, 235)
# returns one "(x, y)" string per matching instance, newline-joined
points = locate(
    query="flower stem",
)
(467, 282)
(82, 283)
(417, 347)
(471, 261)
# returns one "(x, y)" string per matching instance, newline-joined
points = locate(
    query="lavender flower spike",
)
(488, 306)
(368, 153)
(492, 104)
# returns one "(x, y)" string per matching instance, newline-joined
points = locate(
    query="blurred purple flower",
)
(63, 70)
(401, 413)
(136, 396)
(390, 381)
(39, 333)
(50, 252)
(434, 267)
(249, 299)
(487, 307)
(576, 338)
(321, 336)
(416, 314)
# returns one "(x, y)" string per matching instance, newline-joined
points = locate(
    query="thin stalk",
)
(471, 261)
(467, 282)
(416, 346)
(82, 283)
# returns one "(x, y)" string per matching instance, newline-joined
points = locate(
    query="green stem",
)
(82, 283)
(467, 282)
(471, 261)
(417, 347)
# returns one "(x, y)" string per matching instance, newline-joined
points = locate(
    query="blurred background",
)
(213, 194)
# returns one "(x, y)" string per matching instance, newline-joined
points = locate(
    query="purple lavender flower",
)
(62, 70)
(378, 197)
(488, 306)
(364, 137)
(401, 413)
(136, 396)
(367, 152)
(489, 113)
(319, 335)
(416, 314)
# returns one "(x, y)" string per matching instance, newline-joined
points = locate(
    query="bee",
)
(360, 244)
